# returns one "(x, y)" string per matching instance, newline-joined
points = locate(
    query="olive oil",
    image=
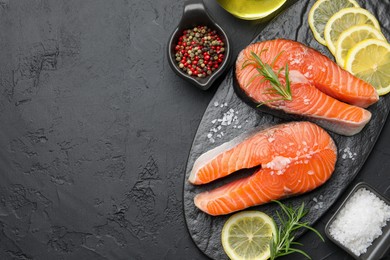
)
(251, 9)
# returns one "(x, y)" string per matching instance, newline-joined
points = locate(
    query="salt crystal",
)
(295, 61)
(225, 120)
(278, 163)
(360, 221)
(209, 135)
(239, 127)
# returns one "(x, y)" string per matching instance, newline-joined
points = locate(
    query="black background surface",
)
(96, 130)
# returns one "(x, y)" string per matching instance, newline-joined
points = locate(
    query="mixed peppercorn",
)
(199, 51)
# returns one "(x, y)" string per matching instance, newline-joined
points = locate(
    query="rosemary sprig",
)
(269, 74)
(290, 222)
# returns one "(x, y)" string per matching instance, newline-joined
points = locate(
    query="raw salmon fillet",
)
(322, 92)
(294, 157)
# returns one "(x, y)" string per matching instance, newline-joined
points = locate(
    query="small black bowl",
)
(380, 246)
(195, 14)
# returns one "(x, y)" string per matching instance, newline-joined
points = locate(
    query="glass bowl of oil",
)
(251, 9)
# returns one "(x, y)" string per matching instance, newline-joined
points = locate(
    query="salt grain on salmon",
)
(283, 172)
(360, 221)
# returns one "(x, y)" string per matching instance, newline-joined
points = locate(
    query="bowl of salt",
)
(361, 225)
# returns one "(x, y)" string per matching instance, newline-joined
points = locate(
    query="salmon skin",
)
(321, 91)
(294, 158)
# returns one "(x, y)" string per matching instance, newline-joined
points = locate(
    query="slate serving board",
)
(292, 24)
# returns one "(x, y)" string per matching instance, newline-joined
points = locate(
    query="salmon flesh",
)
(294, 158)
(322, 92)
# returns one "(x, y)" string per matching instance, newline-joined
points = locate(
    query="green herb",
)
(290, 222)
(270, 75)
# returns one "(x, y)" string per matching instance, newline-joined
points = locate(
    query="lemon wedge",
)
(345, 19)
(247, 235)
(350, 37)
(251, 9)
(370, 61)
(321, 12)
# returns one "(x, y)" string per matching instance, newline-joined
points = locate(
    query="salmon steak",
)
(321, 91)
(294, 158)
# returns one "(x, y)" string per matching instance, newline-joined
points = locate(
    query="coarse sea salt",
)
(360, 221)
(229, 118)
(348, 154)
(319, 202)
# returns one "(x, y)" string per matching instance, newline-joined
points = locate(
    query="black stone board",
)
(353, 151)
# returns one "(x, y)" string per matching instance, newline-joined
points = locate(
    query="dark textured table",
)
(96, 130)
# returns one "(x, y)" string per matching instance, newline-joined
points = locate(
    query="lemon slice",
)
(345, 19)
(350, 37)
(370, 61)
(247, 235)
(321, 12)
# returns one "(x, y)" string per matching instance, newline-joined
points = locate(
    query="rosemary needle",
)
(266, 70)
(290, 222)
